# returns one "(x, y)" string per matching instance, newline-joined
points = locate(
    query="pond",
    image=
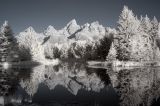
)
(75, 84)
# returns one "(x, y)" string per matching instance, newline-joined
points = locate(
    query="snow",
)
(42, 44)
(50, 31)
(91, 32)
(32, 40)
(133, 39)
(72, 30)
(49, 62)
(72, 27)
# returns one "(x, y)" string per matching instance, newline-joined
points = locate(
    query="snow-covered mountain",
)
(42, 44)
(134, 39)
(28, 35)
(72, 30)
(55, 36)
(90, 32)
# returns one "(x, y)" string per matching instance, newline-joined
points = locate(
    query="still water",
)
(75, 84)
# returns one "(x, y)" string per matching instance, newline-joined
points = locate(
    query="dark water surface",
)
(75, 84)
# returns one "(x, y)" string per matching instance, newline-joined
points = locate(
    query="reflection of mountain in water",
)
(73, 78)
(70, 84)
(63, 84)
(137, 86)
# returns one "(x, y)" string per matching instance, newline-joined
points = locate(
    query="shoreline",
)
(124, 63)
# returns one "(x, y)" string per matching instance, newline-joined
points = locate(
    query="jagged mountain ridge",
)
(134, 39)
(71, 31)
(48, 43)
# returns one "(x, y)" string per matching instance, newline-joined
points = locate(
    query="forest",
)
(135, 38)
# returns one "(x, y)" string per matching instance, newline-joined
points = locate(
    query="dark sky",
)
(41, 13)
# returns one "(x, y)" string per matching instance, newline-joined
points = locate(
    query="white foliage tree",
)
(135, 39)
(112, 55)
(148, 45)
(154, 36)
(128, 26)
(7, 44)
(146, 24)
(30, 39)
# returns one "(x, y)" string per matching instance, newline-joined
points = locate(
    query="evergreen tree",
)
(146, 24)
(154, 29)
(158, 38)
(143, 49)
(154, 36)
(128, 26)
(7, 44)
(112, 55)
(135, 39)
(159, 30)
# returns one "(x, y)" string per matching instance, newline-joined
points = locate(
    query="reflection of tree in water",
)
(81, 66)
(101, 73)
(71, 76)
(137, 86)
(98, 72)
(9, 81)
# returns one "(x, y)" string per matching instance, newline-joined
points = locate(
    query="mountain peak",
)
(86, 25)
(30, 29)
(95, 23)
(72, 27)
(50, 27)
(72, 22)
(50, 30)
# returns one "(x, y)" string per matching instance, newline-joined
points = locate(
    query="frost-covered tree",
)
(128, 26)
(32, 41)
(135, 39)
(154, 29)
(80, 49)
(154, 36)
(112, 55)
(7, 44)
(64, 51)
(144, 45)
(148, 47)
(158, 43)
(146, 24)
(159, 30)
(71, 51)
